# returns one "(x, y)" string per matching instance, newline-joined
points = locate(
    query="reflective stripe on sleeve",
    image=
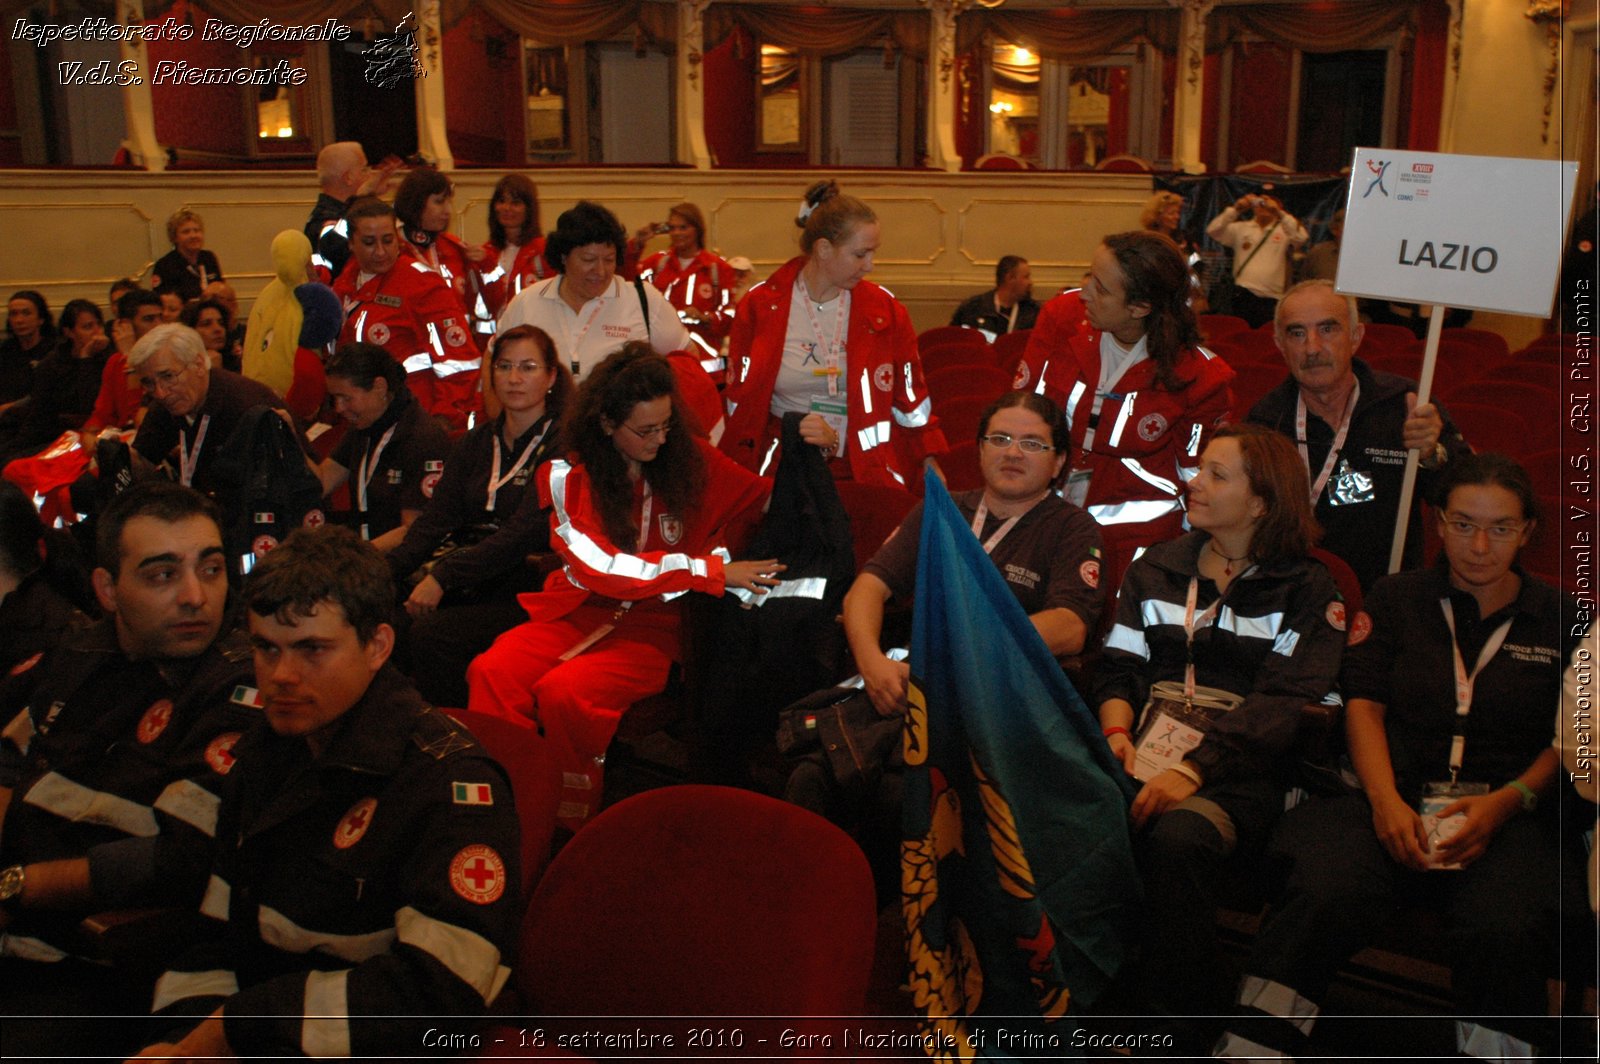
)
(595, 557)
(914, 419)
(190, 803)
(173, 987)
(420, 362)
(218, 896)
(810, 587)
(280, 931)
(1132, 512)
(470, 957)
(1278, 1000)
(1133, 466)
(325, 1029)
(450, 367)
(1125, 638)
(70, 800)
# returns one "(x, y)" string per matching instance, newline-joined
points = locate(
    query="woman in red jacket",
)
(639, 517)
(1141, 396)
(513, 258)
(695, 281)
(424, 204)
(817, 337)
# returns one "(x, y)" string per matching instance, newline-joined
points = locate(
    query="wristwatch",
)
(1435, 458)
(11, 886)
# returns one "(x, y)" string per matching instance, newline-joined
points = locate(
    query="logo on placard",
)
(1378, 168)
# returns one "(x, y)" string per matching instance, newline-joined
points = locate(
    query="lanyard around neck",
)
(366, 471)
(189, 457)
(496, 481)
(1465, 680)
(1334, 448)
(982, 516)
(833, 349)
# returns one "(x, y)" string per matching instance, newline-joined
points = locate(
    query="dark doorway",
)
(1341, 108)
(383, 120)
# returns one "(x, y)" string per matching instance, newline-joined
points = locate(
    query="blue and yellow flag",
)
(1018, 881)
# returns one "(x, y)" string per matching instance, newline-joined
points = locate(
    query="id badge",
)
(836, 412)
(1077, 487)
(1435, 797)
(1350, 486)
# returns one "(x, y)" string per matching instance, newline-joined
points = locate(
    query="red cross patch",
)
(671, 528)
(1360, 628)
(1020, 381)
(155, 720)
(219, 753)
(478, 874)
(314, 519)
(378, 334)
(883, 377)
(428, 483)
(704, 291)
(1089, 573)
(354, 824)
(1151, 426)
(1335, 614)
(455, 336)
(261, 544)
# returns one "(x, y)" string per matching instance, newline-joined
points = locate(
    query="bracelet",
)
(1530, 800)
(1116, 729)
(1188, 773)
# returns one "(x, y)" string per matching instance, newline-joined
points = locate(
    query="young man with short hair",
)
(367, 866)
(115, 747)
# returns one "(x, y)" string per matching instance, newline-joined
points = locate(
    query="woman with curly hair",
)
(640, 513)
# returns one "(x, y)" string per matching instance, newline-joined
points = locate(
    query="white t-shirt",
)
(801, 376)
(584, 337)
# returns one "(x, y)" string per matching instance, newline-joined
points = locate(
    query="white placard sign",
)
(1461, 230)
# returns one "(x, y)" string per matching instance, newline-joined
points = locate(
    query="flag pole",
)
(1408, 485)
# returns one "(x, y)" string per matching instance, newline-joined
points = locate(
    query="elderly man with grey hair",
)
(1353, 426)
(193, 407)
(342, 175)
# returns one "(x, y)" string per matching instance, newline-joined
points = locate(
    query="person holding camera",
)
(699, 283)
(1260, 249)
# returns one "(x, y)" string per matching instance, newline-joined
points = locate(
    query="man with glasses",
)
(1353, 426)
(193, 407)
(1047, 549)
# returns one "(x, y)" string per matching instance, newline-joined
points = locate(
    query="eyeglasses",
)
(518, 367)
(654, 430)
(1463, 529)
(1001, 440)
(167, 378)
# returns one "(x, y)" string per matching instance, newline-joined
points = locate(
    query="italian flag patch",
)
(472, 794)
(247, 696)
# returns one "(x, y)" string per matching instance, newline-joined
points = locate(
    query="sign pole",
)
(1408, 485)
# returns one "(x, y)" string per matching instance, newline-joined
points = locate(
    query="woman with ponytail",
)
(818, 338)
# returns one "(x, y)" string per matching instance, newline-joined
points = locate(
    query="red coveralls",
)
(1060, 319)
(1147, 440)
(448, 258)
(626, 595)
(501, 286)
(411, 313)
(891, 423)
(706, 285)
